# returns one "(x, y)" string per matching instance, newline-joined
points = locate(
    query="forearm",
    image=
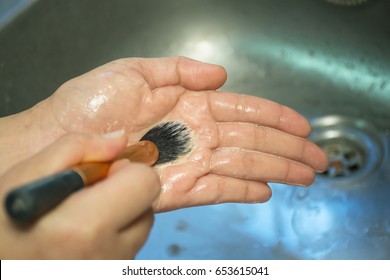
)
(25, 133)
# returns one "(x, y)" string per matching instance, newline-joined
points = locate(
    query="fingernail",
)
(114, 134)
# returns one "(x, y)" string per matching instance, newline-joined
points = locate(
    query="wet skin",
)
(239, 142)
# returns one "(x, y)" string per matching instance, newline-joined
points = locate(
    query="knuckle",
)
(126, 62)
(248, 162)
(260, 137)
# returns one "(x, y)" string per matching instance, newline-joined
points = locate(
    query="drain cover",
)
(353, 146)
(345, 158)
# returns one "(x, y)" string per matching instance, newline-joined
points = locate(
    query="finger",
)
(188, 73)
(68, 151)
(212, 189)
(272, 141)
(134, 236)
(255, 166)
(115, 202)
(231, 107)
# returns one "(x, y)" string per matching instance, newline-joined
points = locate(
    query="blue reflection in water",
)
(320, 222)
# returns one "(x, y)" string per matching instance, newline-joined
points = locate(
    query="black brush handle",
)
(31, 201)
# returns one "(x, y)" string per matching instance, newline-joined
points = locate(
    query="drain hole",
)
(353, 147)
(350, 155)
(345, 157)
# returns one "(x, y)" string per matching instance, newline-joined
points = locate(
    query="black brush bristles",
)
(172, 140)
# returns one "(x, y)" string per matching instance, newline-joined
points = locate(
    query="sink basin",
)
(329, 62)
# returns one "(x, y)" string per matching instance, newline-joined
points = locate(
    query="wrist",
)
(25, 133)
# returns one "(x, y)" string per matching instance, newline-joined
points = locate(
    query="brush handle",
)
(33, 200)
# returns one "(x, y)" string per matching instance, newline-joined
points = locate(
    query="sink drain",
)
(353, 146)
(345, 158)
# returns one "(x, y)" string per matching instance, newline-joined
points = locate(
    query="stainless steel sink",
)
(330, 62)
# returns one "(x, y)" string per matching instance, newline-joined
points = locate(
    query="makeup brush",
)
(163, 143)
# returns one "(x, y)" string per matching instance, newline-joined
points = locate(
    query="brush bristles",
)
(172, 139)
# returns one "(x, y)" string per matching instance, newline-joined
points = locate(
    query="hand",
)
(109, 220)
(242, 142)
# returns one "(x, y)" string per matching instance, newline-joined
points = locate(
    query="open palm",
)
(240, 142)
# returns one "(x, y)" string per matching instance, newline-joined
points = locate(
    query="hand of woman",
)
(241, 142)
(109, 220)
